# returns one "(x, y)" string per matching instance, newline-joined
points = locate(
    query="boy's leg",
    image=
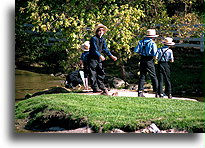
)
(152, 72)
(167, 80)
(93, 75)
(100, 76)
(86, 83)
(143, 73)
(86, 73)
(160, 80)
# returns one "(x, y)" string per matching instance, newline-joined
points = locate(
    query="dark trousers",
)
(164, 74)
(97, 74)
(86, 70)
(147, 66)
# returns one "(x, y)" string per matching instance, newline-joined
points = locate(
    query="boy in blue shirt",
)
(97, 47)
(164, 56)
(84, 62)
(147, 49)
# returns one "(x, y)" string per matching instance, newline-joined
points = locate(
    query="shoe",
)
(97, 90)
(169, 96)
(140, 94)
(161, 96)
(105, 92)
(156, 95)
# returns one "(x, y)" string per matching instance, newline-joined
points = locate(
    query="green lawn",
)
(107, 113)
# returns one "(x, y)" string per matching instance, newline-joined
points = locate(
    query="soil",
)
(89, 130)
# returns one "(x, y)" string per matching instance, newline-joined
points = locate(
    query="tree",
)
(56, 29)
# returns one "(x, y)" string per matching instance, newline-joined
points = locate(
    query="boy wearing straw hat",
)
(147, 49)
(164, 56)
(97, 47)
(84, 62)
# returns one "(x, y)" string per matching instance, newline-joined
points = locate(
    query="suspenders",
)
(144, 48)
(100, 44)
(163, 55)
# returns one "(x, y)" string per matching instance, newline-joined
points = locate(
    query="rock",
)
(133, 87)
(147, 86)
(118, 83)
(117, 131)
(58, 74)
(114, 82)
(153, 128)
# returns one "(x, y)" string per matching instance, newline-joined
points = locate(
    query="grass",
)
(106, 113)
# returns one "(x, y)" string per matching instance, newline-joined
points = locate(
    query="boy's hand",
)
(102, 58)
(114, 58)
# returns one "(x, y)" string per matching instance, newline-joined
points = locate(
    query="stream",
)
(30, 82)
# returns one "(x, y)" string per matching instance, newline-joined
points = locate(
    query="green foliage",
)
(187, 72)
(109, 113)
(69, 23)
(123, 21)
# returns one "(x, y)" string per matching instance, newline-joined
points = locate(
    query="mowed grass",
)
(106, 113)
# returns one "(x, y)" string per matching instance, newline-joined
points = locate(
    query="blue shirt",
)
(84, 56)
(150, 47)
(95, 51)
(164, 54)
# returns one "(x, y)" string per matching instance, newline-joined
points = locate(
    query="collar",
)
(147, 38)
(98, 36)
(165, 46)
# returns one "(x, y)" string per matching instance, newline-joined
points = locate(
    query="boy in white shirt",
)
(164, 56)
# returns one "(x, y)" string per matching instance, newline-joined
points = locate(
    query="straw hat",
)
(100, 26)
(168, 41)
(87, 43)
(151, 33)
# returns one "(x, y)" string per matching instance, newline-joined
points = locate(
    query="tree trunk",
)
(123, 72)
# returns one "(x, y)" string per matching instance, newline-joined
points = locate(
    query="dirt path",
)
(130, 93)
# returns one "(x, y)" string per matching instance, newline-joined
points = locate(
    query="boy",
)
(97, 46)
(84, 62)
(147, 49)
(164, 56)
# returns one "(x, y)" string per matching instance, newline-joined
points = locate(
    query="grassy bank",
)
(104, 113)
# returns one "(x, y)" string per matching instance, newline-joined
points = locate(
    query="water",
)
(29, 82)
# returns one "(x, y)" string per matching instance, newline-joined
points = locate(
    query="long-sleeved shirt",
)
(146, 47)
(84, 56)
(164, 54)
(98, 45)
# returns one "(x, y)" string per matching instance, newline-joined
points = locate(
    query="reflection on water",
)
(30, 82)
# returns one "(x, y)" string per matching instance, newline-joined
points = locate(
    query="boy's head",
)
(100, 30)
(86, 46)
(168, 41)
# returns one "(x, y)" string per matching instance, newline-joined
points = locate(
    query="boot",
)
(169, 96)
(140, 94)
(97, 90)
(161, 96)
(156, 95)
(105, 92)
